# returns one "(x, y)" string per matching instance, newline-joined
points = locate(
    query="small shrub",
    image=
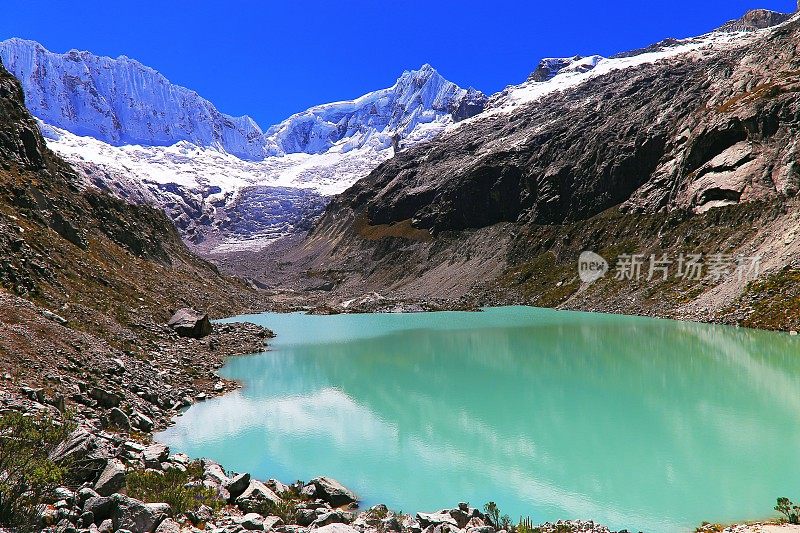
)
(525, 525)
(286, 510)
(27, 475)
(173, 487)
(492, 513)
(787, 508)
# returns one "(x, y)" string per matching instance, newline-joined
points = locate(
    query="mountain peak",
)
(121, 101)
(756, 19)
(381, 118)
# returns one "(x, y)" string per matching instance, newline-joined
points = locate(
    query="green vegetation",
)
(526, 526)
(500, 522)
(183, 491)
(788, 509)
(286, 509)
(30, 477)
(775, 300)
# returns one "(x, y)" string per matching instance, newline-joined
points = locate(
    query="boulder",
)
(83, 452)
(213, 472)
(272, 522)
(141, 421)
(333, 492)
(277, 487)
(154, 455)
(190, 323)
(331, 517)
(251, 522)
(136, 516)
(336, 528)
(169, 526)
(83, 495)
(255, 494)
(238, 484)
(118, 418)
(111, 479)
(100, 507)
(305, 517)
(201, 516)
(436, 519)
(105, 398)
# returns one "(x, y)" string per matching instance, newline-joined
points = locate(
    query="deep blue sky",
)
(270, 59)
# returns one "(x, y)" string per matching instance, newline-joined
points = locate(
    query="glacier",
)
(226, 183)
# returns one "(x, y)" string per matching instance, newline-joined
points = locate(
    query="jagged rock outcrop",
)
(756, 19)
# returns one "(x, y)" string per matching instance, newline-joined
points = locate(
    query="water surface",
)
(647, 424)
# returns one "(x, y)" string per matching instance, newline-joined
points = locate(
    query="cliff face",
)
(714, 125)
(83, 253)
(685, 135)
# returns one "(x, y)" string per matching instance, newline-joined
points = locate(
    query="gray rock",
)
(132, 449)
(154, 455)
(84, 453)
(111, 479)
(65, 526)
(333, 492)
(277, 487)
(272, 522)
(251, 522)
(190, 323)
(63, 493)
(336, 528)
(305, 517)
(100, 507)
(309, 492)
(141, 421)
(436, 519)
(83, 495)
(106, 526)
(238, 484)
(86, 520)
(169, 526)
(118, 418)
(136, 516)
(255, 494)
(105, 398)
(202, 515)
(331, 517)
(480, 529)
(213, 472)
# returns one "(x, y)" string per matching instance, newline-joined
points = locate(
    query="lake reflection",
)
(638, 423)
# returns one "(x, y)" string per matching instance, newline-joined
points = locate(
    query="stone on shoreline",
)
(255, 494)
(333, 492)
(190, 323)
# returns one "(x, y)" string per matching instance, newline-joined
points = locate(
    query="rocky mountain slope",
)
(685, 147)
(87, 284)
(224, 183)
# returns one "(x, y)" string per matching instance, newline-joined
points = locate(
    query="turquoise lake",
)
(652, 425)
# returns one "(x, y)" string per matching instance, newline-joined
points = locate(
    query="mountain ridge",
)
(266, 185)
(687, 146)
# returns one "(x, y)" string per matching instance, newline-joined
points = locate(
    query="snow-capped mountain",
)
(224, 182)
(120, 101)
(419, 97)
